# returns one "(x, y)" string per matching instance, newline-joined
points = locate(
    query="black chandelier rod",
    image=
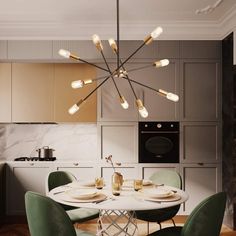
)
(96, 88)
(111, 75)
(146, 86)
(118, 32)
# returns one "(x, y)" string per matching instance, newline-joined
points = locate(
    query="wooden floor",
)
(22, 229)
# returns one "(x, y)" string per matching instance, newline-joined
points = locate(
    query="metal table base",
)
(109, 223)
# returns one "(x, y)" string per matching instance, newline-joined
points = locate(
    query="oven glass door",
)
(159, 147)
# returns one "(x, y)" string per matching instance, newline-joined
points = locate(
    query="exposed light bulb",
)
(77, 84)
(80, 83)
(73, 109)
(124, 103)
(156, 32)
(173, 97)
(142, 110)
(64, 53)
(161, 63)
(113, 45)
(97, 42)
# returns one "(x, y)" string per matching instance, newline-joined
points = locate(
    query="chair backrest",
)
(167, 177)
(46, 217)
(58, 178)
(206, 219)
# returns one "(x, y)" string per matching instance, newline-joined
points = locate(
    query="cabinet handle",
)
(31, 164)
(200, 164)
(75, 164)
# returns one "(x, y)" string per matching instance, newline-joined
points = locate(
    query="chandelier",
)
(120, 72)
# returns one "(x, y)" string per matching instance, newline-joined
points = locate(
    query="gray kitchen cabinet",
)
(22, 177)
(5, 92)
(149, 169)
(119, 139)
(165, 78)
(159, 108)
(82, 171)
(200, 142)
(208, 49)
(201, 93)
(3, 49)
(85, 49)
(127, 47)
(200, 181)
(32, 92)
(109, 108)
(30, 50)
(167, 49)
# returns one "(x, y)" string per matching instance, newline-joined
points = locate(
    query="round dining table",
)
(117, 213)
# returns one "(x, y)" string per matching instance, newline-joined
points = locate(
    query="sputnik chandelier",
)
(120, 72)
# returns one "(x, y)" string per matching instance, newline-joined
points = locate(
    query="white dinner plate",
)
(147, 182)
(79, 184)
(158, 192)
(67, 198)
(82, 194)
(172, 198)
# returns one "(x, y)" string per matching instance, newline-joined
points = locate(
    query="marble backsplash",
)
(70, 141)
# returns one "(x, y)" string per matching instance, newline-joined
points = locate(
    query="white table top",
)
(128, 200)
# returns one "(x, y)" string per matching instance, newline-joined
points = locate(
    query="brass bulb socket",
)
(139, 104)
(114, 47)
(81, 101)
(162, 92)
(148, 39)
(74, 57)
(122, 99)
(88, 81)
(99, 46)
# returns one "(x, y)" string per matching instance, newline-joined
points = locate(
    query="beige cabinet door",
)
(5, 92)
(65, 96)
(32, 92)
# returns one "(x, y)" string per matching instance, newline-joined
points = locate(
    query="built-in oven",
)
(158, 142)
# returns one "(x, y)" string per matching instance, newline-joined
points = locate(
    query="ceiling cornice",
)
(178, 30)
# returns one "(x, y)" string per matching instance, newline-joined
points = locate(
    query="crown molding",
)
(178, 30)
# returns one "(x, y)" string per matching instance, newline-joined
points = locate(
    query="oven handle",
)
(159, 132)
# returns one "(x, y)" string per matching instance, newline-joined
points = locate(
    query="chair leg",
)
(159, 224)
(173, 222)
(148, 227)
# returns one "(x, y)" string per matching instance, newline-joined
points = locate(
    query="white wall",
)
(70, 141)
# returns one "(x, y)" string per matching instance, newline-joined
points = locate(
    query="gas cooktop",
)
(35, 159)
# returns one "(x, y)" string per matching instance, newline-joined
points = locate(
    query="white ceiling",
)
(79, 19)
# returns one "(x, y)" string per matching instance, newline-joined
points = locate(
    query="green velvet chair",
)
(205, 220)
(166, 177)
(47, 218)
(77, 215)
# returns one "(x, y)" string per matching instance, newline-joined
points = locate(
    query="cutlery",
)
(59, 192)
(106, 199)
